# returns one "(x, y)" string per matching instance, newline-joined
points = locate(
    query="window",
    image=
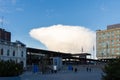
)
(117, 49)
(1, 52)
(22, 54)
(8, 52)
(13, 53)
(112, 41)
(112, 50)
(117, 31)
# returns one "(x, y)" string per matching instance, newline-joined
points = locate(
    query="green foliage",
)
(10, 68)
(112, 70)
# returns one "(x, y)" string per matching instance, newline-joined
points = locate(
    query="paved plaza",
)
(82, 74)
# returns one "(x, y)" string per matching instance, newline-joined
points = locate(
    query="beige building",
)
(108, 42)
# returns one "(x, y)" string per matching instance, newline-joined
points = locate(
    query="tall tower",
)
(108, 42)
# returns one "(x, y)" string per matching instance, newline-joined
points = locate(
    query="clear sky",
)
(20, 16)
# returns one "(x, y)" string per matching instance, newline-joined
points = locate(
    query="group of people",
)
(73, 69)
(88, 69)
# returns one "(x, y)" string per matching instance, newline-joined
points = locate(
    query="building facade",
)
(108, 42)
(11, 50)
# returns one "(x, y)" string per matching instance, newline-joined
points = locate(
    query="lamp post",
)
(102, 55)
(107, 50)
(94, 52)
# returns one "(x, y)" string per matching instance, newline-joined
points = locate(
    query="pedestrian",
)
(72, 68)
(90, 69)
(75, 70)
(55, 68)
(87, 69)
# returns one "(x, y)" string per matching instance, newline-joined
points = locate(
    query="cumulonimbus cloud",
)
(65, 38)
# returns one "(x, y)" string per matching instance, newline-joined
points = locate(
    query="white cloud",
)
(19, 9)
(1, 20)
(49, 12)
(14, 1)
(4, 10)
(65, 38)
(9, 6)
(103, 7)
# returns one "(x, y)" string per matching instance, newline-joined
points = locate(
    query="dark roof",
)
(81, 54)
(54, 53)
(50, 53)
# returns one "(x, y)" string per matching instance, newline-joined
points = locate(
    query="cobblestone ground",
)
(82, 74)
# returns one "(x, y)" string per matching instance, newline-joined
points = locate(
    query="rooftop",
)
(113, 26)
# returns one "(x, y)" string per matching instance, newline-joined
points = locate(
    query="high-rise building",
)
(108, 42)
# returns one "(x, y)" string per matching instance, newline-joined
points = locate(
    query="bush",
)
(10, 68)
(112, 70)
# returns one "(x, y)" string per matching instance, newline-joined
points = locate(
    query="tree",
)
(10, 68)
(112, 70)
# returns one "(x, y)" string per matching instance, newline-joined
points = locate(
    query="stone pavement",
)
(82, 74)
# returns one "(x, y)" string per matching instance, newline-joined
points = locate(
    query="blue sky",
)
(20, 16)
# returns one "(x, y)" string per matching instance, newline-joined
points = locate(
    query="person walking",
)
(75, 70)
(87, 69)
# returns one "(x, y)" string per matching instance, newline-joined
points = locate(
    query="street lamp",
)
(102, 55)
(107, 49)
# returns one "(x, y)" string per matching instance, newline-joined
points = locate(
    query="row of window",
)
(108, 37)
(110, 43)
(108, 54)
(8, 52)
(111, 51)
(110, 33)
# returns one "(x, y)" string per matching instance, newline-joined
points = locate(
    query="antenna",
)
(82, 49)
(93, 52)
(2, 21)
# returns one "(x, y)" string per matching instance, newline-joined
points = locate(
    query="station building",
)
(35, 56)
